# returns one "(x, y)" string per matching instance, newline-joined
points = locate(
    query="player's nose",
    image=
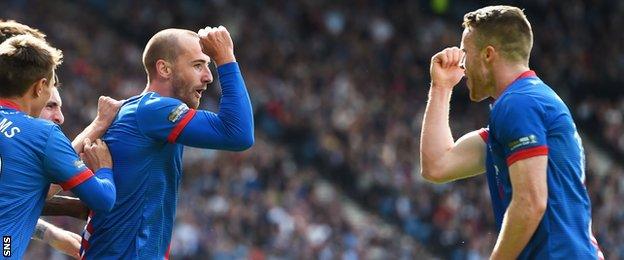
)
(58, 118)
(207, 77)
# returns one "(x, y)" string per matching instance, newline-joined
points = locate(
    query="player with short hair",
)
(55, 205)
(53, 109)
(12, 28)
(149, 135)
(531, 152)
(34, 152)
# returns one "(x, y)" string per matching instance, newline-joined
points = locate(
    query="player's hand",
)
(64, 241)
(96, 155)
(107, 110)
(445, 68)
(217, 44)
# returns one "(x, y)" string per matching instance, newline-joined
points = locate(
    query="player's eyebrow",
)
(52, 104)
(200, 60)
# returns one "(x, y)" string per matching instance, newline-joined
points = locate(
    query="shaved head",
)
(164, 45)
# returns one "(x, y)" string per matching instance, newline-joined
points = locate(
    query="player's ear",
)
(163, 68)
(38, 86)
(489, 53)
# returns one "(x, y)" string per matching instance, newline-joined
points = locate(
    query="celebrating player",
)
(55, 205)
(149, 134)
(531, 152)
(34, 152)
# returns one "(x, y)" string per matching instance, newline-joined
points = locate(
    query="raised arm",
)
(232, 127)
(441, 158)
(106, 113)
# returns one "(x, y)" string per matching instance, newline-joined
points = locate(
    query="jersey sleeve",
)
(61, 163)
(163, 118)
(232, 128)
(170, 120)
(484, 133)
(519, 125)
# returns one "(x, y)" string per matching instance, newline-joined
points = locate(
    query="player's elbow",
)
(242, 143)
(533, 206)
(247, 142)
(433, 176)
(432, 172)
(538, 207)
(106, 201)
(105, 204)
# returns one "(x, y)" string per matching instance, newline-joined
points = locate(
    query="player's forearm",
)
(520, 222)
(65, 206)
(94, 131)
(40, 229)
(436, 138)
(235, 108)
(62, 240)
(98, 192)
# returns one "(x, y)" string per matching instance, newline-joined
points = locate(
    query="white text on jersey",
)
(4, 128)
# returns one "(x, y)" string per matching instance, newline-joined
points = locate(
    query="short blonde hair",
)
(25, 59)
(12, 28)
(506, 28)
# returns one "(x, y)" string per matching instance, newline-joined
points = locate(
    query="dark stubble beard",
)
(179, 88)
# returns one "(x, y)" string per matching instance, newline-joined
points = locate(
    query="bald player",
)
(147, 139)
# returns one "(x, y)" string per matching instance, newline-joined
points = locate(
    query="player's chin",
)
(194, 103)
(475, 97)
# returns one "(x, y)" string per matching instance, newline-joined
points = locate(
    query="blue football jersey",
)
(146, 141)
(33, 154)
(527, 120)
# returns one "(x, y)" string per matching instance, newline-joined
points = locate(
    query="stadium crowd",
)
(338, 90)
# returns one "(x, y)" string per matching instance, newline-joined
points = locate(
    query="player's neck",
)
(160, 87)
(505, 75)
(19, 103)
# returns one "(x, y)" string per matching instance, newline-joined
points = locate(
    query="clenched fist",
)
(96, 155)
(107, 109)
(446, 68)
(217, 44)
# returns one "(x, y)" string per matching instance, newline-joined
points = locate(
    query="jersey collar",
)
(524, 75)
(9, 104)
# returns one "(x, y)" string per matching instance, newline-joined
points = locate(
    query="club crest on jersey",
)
(531, 139)
(177, 112)
(79, 164)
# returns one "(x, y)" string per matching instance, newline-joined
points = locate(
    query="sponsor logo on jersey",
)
(177, 112)
(79, 164)
(523, 141)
